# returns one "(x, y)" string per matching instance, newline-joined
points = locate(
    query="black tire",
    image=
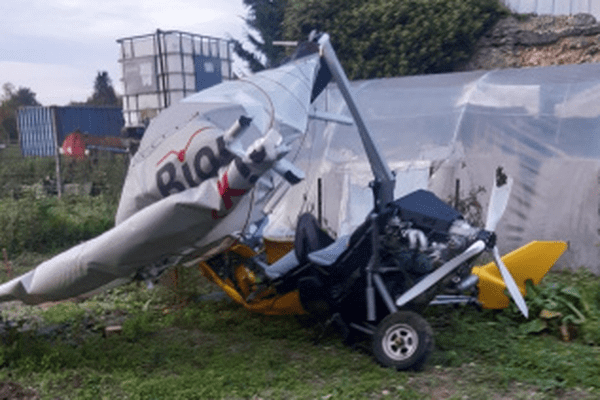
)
(403, 340)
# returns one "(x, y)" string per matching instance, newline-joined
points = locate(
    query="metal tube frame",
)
(383, 185)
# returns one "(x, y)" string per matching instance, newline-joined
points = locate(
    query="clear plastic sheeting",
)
(443, 132)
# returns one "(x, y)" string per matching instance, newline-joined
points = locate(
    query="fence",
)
(99, 172)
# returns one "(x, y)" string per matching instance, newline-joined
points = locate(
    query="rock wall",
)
(532, 40)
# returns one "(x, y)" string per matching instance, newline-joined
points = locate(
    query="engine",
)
(421, 232)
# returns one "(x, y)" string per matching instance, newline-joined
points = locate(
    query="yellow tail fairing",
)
(530, 262)
(265, 301)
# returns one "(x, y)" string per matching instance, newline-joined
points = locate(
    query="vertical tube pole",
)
(372, 267)
(456, 194)
(162, 73)
(320, 201)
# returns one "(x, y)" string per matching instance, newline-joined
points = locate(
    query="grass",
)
(205, 350)
(199, 350)
(541, 360)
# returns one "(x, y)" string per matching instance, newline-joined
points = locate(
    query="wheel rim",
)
(400, 342)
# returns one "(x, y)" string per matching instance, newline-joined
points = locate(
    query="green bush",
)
(383, 38)
(48, 224)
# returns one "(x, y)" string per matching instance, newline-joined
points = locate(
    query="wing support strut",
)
(384, 183)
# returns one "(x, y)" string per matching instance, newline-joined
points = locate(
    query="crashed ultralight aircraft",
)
(195, 192)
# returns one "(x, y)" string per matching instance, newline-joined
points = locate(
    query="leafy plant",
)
(557, 308)
(565, 307)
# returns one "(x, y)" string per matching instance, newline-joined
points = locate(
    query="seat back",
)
(309, 237)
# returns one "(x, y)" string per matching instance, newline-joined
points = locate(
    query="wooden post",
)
(7, 263)
(56, 153)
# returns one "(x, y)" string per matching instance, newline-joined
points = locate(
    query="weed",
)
(139, 326)
(67, 312)
(566, 305)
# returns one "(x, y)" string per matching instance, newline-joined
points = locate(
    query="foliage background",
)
(383, 38)
(376, 38)
(265, 18)
(11, 100)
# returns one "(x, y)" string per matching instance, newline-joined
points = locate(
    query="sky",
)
(57, 47)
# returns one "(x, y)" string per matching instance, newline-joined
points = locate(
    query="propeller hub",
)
(488, 237)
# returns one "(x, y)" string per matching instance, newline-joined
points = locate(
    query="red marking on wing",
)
(181, 153)
(226, 192)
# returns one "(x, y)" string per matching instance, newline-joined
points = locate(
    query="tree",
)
(11, 101)
(382, 38)
(265, 18)
(104, 93)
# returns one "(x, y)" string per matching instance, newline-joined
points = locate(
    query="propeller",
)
(496, 208)
(498, 203)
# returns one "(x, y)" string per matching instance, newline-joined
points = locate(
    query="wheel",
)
(403, 340)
